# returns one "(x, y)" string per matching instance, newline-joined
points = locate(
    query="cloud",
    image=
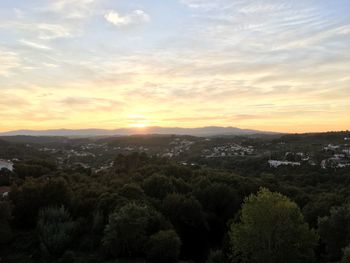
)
(201, 4)
(35, 45)
(135, 17)
(52, 31)
(72, 9)
(42, 31)
(18, 13)
(8, 61)
(63, 4)
(7, 101)
(91, 104)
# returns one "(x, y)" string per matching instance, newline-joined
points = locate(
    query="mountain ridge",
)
(200, 131)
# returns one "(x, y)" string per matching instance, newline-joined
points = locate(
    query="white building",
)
(5, 164)
(276, 163)
(347, 151)
(4, 191)
(331, 147)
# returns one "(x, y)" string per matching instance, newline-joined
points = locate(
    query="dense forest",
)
(151, 209)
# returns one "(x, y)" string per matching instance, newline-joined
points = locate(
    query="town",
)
(98, 154)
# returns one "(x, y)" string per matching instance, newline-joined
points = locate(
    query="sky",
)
(274, 65)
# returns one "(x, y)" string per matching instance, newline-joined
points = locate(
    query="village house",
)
(5, 164)
(4, 191)
(276, 163)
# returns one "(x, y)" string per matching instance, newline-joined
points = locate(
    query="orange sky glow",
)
(268, 65)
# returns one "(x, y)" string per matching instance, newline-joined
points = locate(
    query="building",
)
(276, 163)
(331, 147)
(5, 164)
(347, 152)
(4, 191)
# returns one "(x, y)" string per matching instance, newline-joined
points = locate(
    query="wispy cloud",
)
(8, 61)
(91, 104)
(72, 9)
(43, 31)
(52, 31)
(35, 45)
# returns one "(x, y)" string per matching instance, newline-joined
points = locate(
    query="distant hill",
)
(204, 131)
(23, 139)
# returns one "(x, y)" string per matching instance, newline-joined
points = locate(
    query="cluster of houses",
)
(340, 156)
(131, 149)
(104, 167)
(228, 150)
(336, 156)
(292, 159)
(177, 146)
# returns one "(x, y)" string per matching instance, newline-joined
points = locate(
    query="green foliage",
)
(123, 210)
(25, 170)
(5, 176)
(34, 168)
(33, 195)
(128, 163)
(335, 230)
(5, 217)
(129, 228)
(219, 199)
(186, 214)
(217, 256)
(320, 205)
(272, 229)
(221, 203)
(164, 247)
(55, 230)
(67, 257)
(184, 210)
(158, 186)
(181, 186)
(132, 192)
(346, 255)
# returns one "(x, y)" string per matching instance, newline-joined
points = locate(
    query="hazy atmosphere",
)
(267, 65)
(175, 131)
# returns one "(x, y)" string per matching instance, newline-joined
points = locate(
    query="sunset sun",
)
(138, 120)
(140, 125)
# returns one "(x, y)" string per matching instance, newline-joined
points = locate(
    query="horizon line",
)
(140, 129)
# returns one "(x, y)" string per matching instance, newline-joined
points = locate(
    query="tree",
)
(158, 186)
(129, 228)
(184, 211)
(319, 206)
(5, 176)
(55, 229)
(335, 230)
(217, 256)
(186, 214)
(346, 255)
(33, 195)
(129, 163)
(5, 228)
(221, 203)
(272, 229)
(34, 168)
(132, 192)
(164, 247)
